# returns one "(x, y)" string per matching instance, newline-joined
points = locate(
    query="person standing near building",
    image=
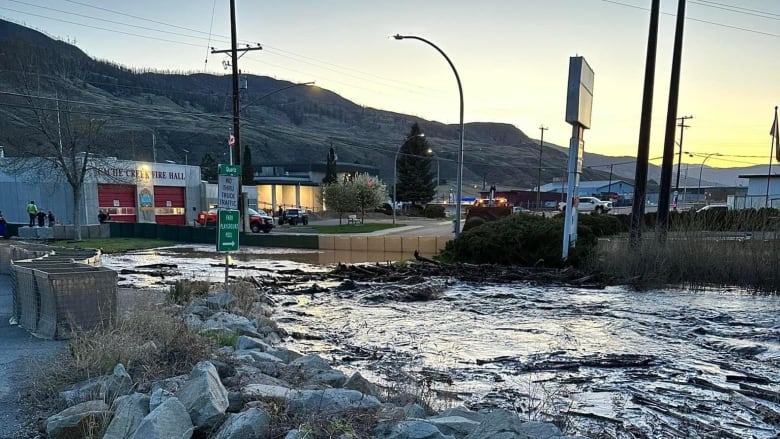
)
(52, 220)
(32, 210)
(41, 218)
(2, 225)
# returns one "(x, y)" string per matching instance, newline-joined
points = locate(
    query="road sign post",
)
(229, 215)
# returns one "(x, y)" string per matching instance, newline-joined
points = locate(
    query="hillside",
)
(192, 112)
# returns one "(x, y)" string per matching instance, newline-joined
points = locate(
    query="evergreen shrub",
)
(434, 211)
(523, 240)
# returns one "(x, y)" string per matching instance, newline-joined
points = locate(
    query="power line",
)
(738, 9)
(697, 19)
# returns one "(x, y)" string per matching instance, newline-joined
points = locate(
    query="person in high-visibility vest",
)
(32, 210)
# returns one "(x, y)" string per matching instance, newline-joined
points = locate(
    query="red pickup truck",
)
(258, 220)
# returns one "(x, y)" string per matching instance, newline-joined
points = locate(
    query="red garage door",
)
(117, 200)
(169, 205)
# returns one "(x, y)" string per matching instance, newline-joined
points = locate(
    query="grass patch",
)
(354, 228)
(150, 343)
(694, 259)
(116, 245)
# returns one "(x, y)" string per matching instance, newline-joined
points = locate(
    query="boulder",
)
(88, 390)
(158, 397)
(253, 423)
(329, 402)
(286, 355)
(169, 420)
(414, 410)
(312, 370)
(268, 393)
(415, 429)
(117, 384)
(129, 411)
(232, 322)
(500, 424)
(362, 385)
(220, 301)
(462, 412)
(72, 422)
(457, 426)
(541, 430)
(253, 355)
(204, 396)
(246, 374)
(245, 342)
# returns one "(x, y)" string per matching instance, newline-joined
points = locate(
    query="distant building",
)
(298, 184)
(759, 193)
(604, 189)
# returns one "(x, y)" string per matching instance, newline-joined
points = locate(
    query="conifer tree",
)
(415, 179)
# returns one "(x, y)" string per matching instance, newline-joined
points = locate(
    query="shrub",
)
(434, 211)
(603, 225)
(185, 290)
(518, 240)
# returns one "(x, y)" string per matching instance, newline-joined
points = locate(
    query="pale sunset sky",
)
(512, 57)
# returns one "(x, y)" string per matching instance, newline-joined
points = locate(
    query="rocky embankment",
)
(258, 389)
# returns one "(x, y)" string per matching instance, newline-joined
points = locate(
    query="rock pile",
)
(258, 389)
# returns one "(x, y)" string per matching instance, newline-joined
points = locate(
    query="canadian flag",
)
(232, 141)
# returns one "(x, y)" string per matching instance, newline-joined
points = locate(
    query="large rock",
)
(329, 402)
(129, 411)
(253, 423)
(245, 342)
(312, 370)
(415, 429)
(117, 384)
(457, 426)
(251, 356)
(362, 385)
(168, 421)
(503, 424)
(220, 301)
(72, 422)
(107, 388)
(285, 355)
(267, 393)
(233, 322)
(204, 396)
(462, 412)
(414, 410)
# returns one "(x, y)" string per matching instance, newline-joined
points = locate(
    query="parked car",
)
(589, 204)
(294, 216)
(714, 208)
(258, 220)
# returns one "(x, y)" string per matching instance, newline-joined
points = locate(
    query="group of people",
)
(39, 216)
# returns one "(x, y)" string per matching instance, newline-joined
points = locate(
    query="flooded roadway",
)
(606, 363)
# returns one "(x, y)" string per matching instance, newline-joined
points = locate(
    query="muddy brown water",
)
(606, 363)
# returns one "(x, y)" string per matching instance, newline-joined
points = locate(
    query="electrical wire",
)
(211, 26)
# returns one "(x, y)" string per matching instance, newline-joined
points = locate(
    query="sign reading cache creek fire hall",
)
(228, 186)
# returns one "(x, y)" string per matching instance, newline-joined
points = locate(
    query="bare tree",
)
(62, 136)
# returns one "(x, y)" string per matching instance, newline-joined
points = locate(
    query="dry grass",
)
(694, 259)
(150, 343)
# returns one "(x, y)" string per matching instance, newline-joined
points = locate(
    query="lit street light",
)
(459, 174)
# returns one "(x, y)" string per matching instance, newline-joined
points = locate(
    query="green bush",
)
(434, 211)
(603, 225)
(518, 240)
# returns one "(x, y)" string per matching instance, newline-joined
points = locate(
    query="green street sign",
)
(227, 230)
(234, 170)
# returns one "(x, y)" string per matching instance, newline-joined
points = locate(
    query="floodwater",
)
(606, 363)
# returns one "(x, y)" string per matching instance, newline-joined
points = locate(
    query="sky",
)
(511, 55)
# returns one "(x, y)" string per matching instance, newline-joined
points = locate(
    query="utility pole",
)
(235, 152)
(662, 222)
(682, 126)
(542, 128)
(643, 149)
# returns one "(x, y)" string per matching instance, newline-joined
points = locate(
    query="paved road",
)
(18, 349)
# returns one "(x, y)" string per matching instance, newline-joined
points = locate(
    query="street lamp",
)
(186, 163)
(701, 168)
(395, 172)
(459, 179)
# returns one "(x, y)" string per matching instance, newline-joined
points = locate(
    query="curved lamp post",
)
(395, 172)
(701, 168)
(459, 182)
